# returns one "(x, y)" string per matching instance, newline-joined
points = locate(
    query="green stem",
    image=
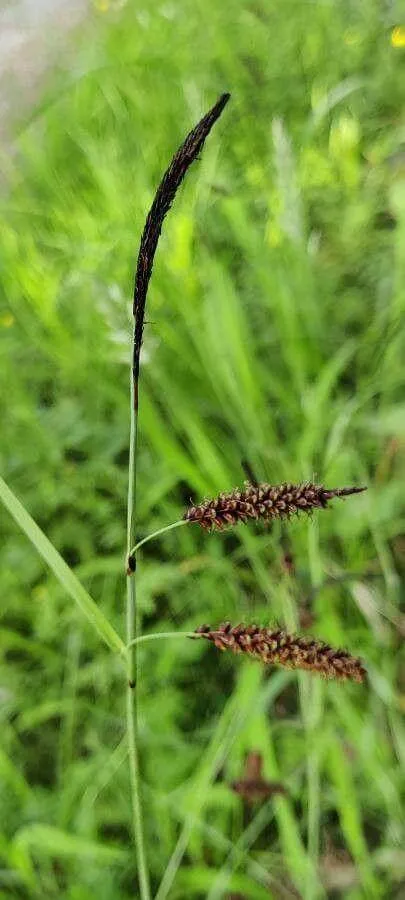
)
(154, 534)
(132, 629)
(163, 634)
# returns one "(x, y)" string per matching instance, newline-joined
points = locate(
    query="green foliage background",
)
(275, 335)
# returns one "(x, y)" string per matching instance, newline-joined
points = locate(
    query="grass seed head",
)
(288, 650)
(264, 501)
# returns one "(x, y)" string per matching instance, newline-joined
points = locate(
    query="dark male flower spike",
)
(182, 159)
(165, 194)
(283, 649)
(264, 501)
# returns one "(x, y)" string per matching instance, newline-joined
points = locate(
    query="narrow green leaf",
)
(50, 841)
(349, 812)
(10, 776)
(60, 569)
(198, 880)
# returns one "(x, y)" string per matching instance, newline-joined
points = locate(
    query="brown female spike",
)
(283, 649)
(264, 501)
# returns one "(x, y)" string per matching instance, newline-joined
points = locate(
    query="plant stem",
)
(132, 631)
(141, 639)
(165, 194)
(150, 537)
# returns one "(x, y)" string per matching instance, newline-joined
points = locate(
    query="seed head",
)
(289, 650)
(264, 501)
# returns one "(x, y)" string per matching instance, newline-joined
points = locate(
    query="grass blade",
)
(60, 569)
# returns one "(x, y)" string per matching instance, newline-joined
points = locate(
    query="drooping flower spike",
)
(264, 501)
(277, 647)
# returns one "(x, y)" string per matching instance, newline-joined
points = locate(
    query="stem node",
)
(131, 564)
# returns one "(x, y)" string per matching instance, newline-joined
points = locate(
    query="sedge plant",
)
(254, 501)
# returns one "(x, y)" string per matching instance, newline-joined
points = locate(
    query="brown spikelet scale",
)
(283, 649)
(264, 501)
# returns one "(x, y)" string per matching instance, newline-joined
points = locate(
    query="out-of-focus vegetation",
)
(275, 335)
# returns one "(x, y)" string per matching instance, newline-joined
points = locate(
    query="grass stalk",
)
(132, 629)
(143, 638)
(154, 534)
(165, 194)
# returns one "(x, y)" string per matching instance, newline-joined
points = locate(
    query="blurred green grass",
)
(275, 336)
